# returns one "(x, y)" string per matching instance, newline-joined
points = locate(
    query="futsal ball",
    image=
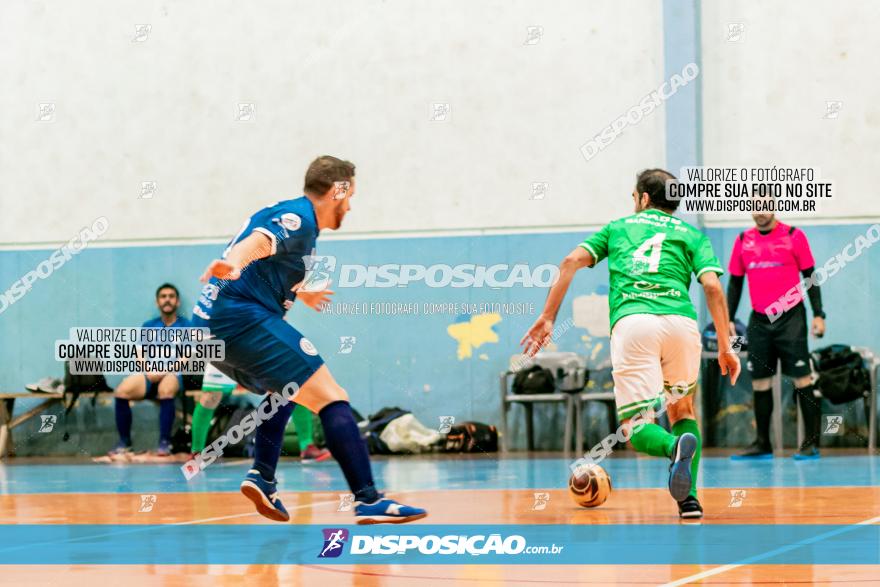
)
(589, 486)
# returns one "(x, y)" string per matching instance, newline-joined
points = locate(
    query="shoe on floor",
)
(121, 452)
(756, 451)
(164, 449)
(313, 454)
(386, 511)
(680, 468)
(690, 508)
(46, 385)
(806, 453)
(264, 496)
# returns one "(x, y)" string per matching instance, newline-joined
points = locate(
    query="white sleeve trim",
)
(717, 270)
(271, 237)
(591, 251)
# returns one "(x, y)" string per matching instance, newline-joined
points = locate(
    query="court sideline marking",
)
(770, 554)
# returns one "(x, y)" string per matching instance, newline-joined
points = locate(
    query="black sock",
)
(270, 437)
(123, 420)
(811, 409)
(344, 442)
(763, 412)
(166, 419)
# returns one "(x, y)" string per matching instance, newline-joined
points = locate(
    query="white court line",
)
(770, 554)
(231, 516)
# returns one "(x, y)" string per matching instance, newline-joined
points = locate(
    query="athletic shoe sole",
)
(690, 515)
(798, 457)
(369, 520)
(680, 470)
(262, 503)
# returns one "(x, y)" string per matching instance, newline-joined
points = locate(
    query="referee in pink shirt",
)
(774, 256)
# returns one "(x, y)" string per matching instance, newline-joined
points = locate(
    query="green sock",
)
(680, 428)
(302, 423)
(201, 424)
(653, 440)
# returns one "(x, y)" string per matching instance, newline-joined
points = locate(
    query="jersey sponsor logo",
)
(288, 222)
(651, 295)
(307, 347)
(210, 291)
(201, 313)
(763, 264)
(645, 285)
(639, 267)
(291, 221)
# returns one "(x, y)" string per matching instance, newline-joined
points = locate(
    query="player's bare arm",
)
(316, 300)
(727, 359)
(539, 334)
(256, 246)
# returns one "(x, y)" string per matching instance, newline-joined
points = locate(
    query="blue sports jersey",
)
(265, 287)
(156, 322)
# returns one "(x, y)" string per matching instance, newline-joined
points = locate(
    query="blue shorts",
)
(268, 356)
(184, 382)
(153, 387)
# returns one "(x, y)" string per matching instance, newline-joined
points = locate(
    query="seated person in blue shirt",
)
(161, 386)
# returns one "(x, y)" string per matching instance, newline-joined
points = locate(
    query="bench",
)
(7, 404)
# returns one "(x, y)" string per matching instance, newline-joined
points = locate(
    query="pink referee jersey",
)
(771, 262)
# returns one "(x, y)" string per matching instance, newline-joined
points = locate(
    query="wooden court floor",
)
(839, 493)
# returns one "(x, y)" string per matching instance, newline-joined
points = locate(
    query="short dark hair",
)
(324, 171)
(167, 286)
(653, 182)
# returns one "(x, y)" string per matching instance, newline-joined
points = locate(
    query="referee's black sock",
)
(811, 409)
(763, 413)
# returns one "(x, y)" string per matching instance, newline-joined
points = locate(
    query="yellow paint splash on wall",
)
(474, 333)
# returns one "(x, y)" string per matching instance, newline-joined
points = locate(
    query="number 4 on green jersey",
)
(651, 258)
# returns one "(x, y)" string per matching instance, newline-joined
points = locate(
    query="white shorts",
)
(215, 381)
(650, 354)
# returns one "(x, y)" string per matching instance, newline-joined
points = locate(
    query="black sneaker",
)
(680, 469)
(690, 508)
(756, 451)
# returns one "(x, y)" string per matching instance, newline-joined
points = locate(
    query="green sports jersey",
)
(651, 256)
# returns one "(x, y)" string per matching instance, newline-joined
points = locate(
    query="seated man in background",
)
(161, 386)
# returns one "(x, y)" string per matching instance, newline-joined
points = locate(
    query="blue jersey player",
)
(244, 301)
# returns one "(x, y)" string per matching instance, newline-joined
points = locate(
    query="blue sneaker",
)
(164, 449)
(121, 452)
(264, 495)
(388, 511)
(806, 453)
(680, 469)
(757, 451)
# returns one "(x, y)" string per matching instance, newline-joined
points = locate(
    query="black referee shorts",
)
(784, 340)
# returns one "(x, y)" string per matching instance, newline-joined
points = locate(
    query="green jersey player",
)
(655, 344)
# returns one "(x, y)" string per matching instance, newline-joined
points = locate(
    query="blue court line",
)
(421, 474)
(575, 544)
